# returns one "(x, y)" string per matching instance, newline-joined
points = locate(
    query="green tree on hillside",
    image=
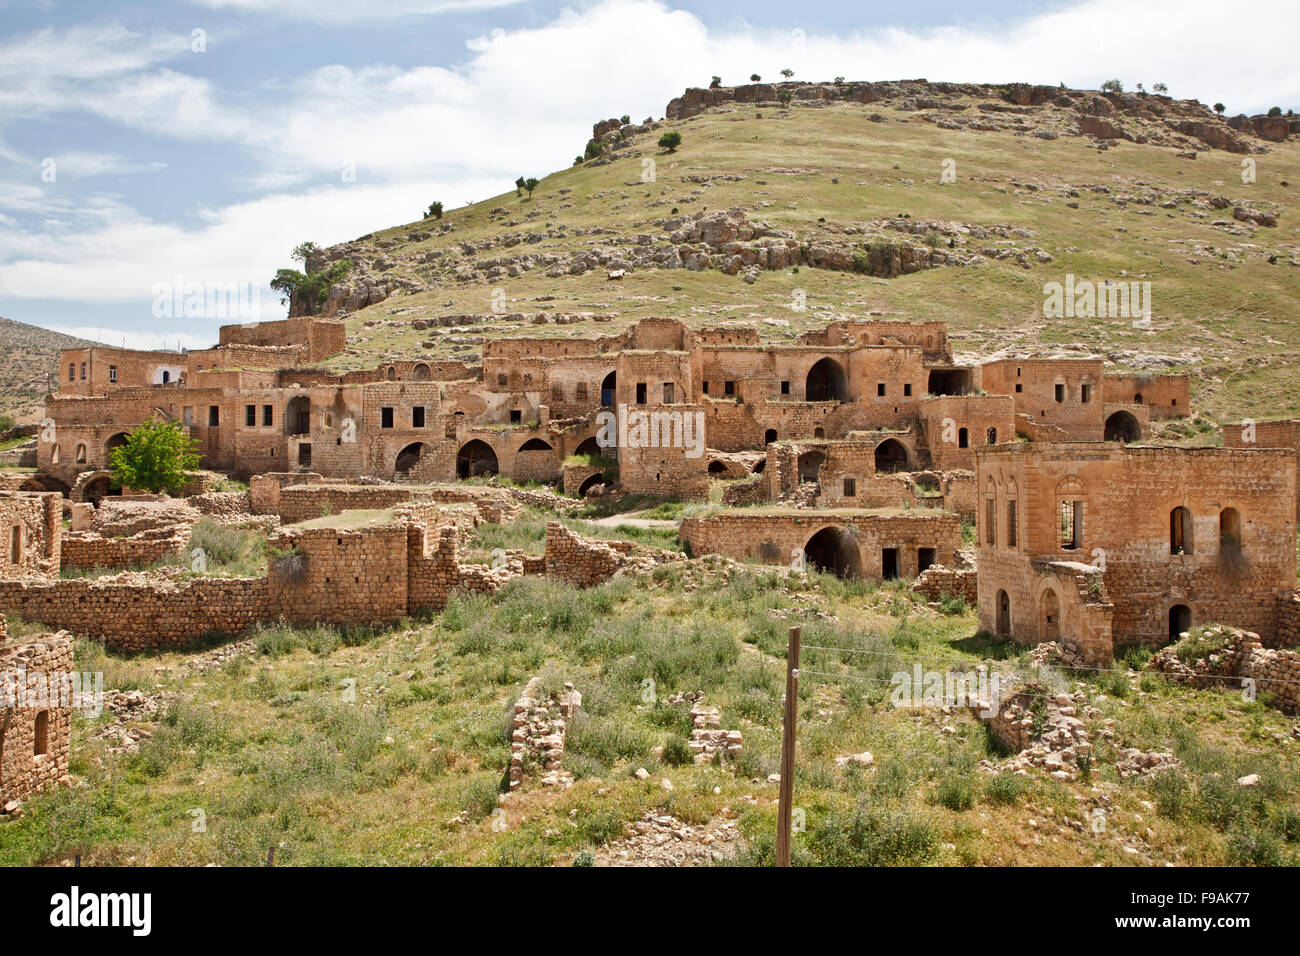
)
(310, 288)
(519, 186)
(435, 210)
(1160, 88)
(1275, 111)
(787, 73)
(530, 184)
(755, 78)
(1219, 108)
(670, 141)
(1112, 86)
(715, 82)
(157, 456)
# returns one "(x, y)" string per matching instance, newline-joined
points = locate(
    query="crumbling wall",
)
(35, 714)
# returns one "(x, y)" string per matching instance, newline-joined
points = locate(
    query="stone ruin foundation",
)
(537, 735)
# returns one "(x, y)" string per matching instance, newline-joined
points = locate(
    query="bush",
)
(670, 141)
(677, 752)
(1004, 788)
(157, 456)
(956, 792)
(869, 837)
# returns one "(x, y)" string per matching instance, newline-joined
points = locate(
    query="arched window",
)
(991, 436)
(81, 453)
(1180, 531)
(1230, 531)
(963, 438)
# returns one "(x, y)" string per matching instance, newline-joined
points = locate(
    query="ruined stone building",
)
(653, 398)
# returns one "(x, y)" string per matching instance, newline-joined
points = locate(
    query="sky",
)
(146, 147)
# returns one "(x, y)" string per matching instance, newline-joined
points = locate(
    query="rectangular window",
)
(112, 373)
(250, 415)
(1019, 387)
(83, 371)
(1071, 525)
(1011, 523)
(1085, 393)
(557, 393)
(72, 371)
(516, 416)
(668, 393)
(580, 392)
(640, 393)
(267, 416)
(991, 522)
(187, 416)
(214, 416)
(729, 388)
(501, 381)
(907, 390)
(785, 388)
(705, 385)
(417, 416)
(850, 487)
(1060, 392)
(880, 389)
(386, 417)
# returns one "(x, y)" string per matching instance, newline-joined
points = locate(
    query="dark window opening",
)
(1071, 525)
(386, 417)
(1012, 534)
(785, 388)
(1180, 531)
(417, 416)
(963, 438)
(304, 453)
(889, 563)
(926, 558)
(214, 416)
(640, 393)
(850, 487)
(1060, 392)
(516, 416)
(250, 415)
(268, 416)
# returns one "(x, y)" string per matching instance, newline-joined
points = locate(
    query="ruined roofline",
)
(1114, 450)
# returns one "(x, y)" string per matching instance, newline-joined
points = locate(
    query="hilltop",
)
(951, 202)
(28, 354)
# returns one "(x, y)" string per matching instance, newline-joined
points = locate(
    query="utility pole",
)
(791, 703)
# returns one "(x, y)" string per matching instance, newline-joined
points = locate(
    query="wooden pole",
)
(791, 702)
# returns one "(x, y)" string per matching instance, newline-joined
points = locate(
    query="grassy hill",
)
(27, 354)
(1034, 198)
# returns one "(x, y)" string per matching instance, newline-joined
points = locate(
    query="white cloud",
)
(344, 11)
(135, 339)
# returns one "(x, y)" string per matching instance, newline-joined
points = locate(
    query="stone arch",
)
(835, 551)
(591, 481)
(891, 456)
(826, 382)
(1049, 615)
(810, 464)
(408, 458)
(82, 452)
(41, 737)
(421, 372)
(759, 466)
(1002, 611)
(1123, 426)
(390, 373)
(1230, 540)
(297, 416)
(716, 467)
(536, 444)
(475, 458)
(991, 436)
(609, 390)
(114, 441)
(590, 447)
(769, 436)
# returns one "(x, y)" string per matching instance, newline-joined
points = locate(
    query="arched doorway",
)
(97, 489)
(1180, 621)
(420, 373)
(591, 481)
(810, 465)
(1003, 612)
(834, 551)
(1123, 426)
(297, 416)
(759, 466)
(475, 458)
(609, 390)
(590, 447)
(717, 468)
(891, 456)
(1180, 531)
(769, 436)
(1051, 615)
(117, 441)
(408, 458)
(826, 382)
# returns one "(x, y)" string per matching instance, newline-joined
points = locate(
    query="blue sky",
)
(137, 153)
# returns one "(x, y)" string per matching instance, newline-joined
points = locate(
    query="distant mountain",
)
(28, 354)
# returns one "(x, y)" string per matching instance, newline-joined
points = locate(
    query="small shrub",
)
(677, 753)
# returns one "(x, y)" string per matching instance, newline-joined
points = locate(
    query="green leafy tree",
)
(785, 96)
(1275, 111)
(755, 78)
(839, 81)
(435, 210)
(625, 119)
(1159, 88)
(304, 251)
(519, 186)
(715, 82)
(670, 141)
(311, 290)
(1219, 108)
(157, 456)
(1112, 86)
(787, 73)
(530, 184)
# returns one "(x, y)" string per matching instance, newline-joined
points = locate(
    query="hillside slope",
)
(839, 209)
(28, 354)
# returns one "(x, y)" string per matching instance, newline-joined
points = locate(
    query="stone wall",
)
(939, 582)
(89, 549)
(31, 532)
(35, 715)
